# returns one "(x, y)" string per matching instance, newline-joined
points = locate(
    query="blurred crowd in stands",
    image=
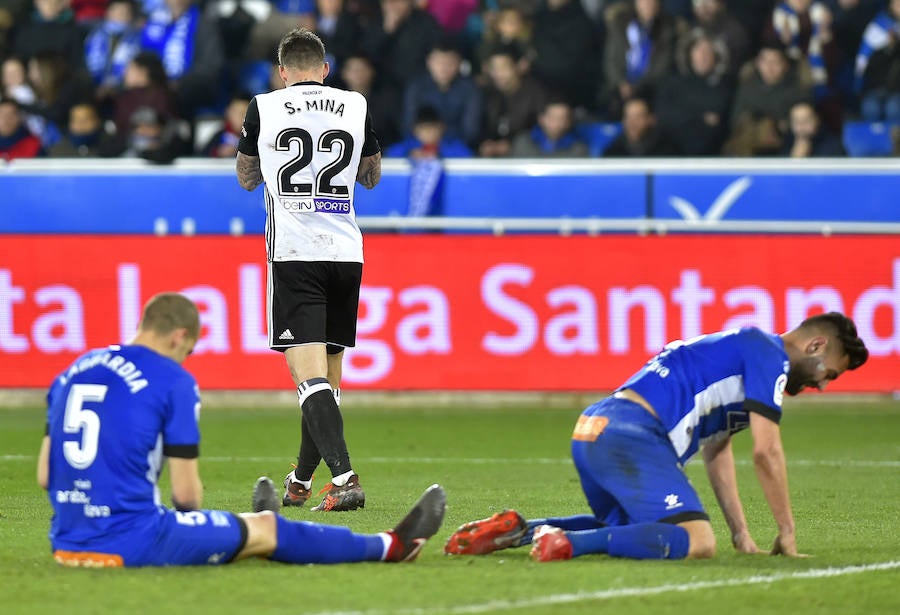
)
(161, 79)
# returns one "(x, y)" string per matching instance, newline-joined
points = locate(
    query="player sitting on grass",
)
(629, 449)
(117, 414)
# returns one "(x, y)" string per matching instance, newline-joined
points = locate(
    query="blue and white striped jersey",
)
(112, 417)
(702, 389)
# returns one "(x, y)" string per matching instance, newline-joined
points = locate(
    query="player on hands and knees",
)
(629, 449)
(118, 414)
(309, 144)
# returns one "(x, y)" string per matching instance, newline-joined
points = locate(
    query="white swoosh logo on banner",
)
(720, 206)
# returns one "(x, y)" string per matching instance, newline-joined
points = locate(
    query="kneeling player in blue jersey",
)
(117, 413)
(629, 448)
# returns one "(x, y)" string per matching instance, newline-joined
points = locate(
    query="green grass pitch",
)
(844, 469)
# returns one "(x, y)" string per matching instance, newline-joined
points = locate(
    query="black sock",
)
(325, 423)
(308, 458)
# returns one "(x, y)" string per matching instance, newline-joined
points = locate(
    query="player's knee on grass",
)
(262, 535)
(703, 540)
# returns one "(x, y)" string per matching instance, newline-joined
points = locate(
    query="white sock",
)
(341, 479)
(387, 540)
(306, 484)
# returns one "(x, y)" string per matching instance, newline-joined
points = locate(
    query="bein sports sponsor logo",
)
(329, 206)
(319, 206)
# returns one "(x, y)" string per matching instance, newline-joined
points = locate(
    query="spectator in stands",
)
(566, 51)
(51, 27)
(57, 88)
(640, 49)
(15, 139)
(770, 88)
(807, 137)
(89, 12)
(881, 34)
(224, 142)
(881, 86)
(144, 85)
(235, 20)
(84, 135)
(426, 148)
(15, 85)
(190, 48)
(512, 102)
(553, 136)
(151, 136)
(712, 16)
(455, 97)
(14, 81)
(510, 28)
(13, 13)
(110, 46)
(641, 136)
(339, 30)
(429, 138)
(399, 43)
(803, 27)
(754, 134)
(692, 104)
(284, 16)
(849, 20)
(452, 15)
(754, 15)
(358, 74)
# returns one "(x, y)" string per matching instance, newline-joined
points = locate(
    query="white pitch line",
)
(627, 592)
(855, 463)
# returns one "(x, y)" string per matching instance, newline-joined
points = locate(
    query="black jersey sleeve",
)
(370, 145)
(182, 451)
(751, 405)
(250, 131)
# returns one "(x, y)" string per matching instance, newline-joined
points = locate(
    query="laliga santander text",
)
(456, 312)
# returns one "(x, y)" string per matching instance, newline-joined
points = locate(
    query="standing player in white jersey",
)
(629, 449)
(309, 144)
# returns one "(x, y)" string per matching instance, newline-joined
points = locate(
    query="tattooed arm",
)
(369, 173)
(248, 172)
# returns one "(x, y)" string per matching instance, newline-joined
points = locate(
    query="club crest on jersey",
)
(778, 395)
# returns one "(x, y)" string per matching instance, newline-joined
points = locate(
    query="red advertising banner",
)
(454, 311)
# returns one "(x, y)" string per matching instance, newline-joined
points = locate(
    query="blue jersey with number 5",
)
(703, 389)
(112, 417)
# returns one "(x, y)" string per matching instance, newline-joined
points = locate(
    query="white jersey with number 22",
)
(310, 143)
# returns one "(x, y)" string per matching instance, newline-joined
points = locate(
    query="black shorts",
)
(313, 302)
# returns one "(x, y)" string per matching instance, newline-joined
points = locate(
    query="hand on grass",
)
(744, 543)
(786, 545)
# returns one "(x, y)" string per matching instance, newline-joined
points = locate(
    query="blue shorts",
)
(176, 538)
(628, 468)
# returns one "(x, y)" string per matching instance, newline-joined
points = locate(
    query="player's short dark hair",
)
(167, 312)
(844, 330)
(301, 49)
